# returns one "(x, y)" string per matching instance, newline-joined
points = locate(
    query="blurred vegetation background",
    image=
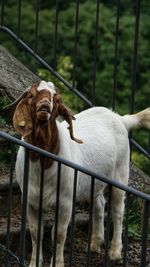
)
(65, 48)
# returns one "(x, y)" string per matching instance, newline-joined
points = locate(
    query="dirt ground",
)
(79, 258)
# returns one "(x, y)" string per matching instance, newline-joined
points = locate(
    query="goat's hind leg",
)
(33, 225)
(117, 204)
(98, 223)
(117, 217)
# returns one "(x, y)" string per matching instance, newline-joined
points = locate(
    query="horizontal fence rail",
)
(74, 166)
(130, 192)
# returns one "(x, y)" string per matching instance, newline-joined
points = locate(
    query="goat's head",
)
(40, 104)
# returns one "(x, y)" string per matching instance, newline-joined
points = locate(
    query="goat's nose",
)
(45, 100)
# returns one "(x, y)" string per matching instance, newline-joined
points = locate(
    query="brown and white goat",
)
(105, 149)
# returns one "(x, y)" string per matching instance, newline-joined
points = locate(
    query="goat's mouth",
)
(43, 114)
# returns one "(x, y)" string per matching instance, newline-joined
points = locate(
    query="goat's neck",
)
(46, 137)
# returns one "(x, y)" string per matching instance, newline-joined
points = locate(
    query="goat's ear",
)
(32, 91)
(68, 116)
(22, 119)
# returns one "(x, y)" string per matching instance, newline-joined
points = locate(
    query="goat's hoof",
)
(95, 248)
(58, 264)
(33, 264)
(96, 245)
(115, 253)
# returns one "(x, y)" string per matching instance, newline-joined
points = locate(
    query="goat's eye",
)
(31, 96)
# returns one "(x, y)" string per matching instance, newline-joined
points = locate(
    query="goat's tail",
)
(138, 120)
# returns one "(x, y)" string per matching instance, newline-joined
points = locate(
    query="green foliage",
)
(141, 161)
(3, 101)
(2, 121)
(86, 44)
(63, 67)
(135, 219)
(5, 157)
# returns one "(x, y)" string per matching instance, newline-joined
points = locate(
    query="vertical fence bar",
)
(149, 142)
(108, 223)
(95, 50)
(116, 57)
(75, 44)
(40, 213)
(90, 222)
(24, 207)
(73, 218)
(146, 218)
(2, 12)
(125, 243)
(56, 213)
(19, 18)
(10, 202)
(36, 25)
(135, 55)
(56, 34)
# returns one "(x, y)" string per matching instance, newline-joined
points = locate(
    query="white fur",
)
(48, 86)
(51, 88)
(105, 150)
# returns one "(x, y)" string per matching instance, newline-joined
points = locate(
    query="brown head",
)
(37, 110)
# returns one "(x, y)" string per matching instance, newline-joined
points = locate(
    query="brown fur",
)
(40, 136)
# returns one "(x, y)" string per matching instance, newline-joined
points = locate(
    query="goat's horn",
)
(13, 104)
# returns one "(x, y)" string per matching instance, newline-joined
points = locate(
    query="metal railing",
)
(21, 260)
(16, 33)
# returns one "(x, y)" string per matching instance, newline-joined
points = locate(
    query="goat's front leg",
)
(117, 217)
(98, 224)
(63, 222)
(33, 225)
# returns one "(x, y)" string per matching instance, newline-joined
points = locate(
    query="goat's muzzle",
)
(43, 110)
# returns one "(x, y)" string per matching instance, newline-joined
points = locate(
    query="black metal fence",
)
(32, 46)
(21, 258)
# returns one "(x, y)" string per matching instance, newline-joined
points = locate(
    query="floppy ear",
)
(22, 119)
(68, 116)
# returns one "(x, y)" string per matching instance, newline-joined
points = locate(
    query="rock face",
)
(14, 76)
(139, 180)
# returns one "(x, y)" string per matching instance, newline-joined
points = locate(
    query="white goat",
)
(105, 149)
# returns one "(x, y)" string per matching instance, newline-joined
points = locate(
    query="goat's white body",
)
(105, 150)
(105, 145)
